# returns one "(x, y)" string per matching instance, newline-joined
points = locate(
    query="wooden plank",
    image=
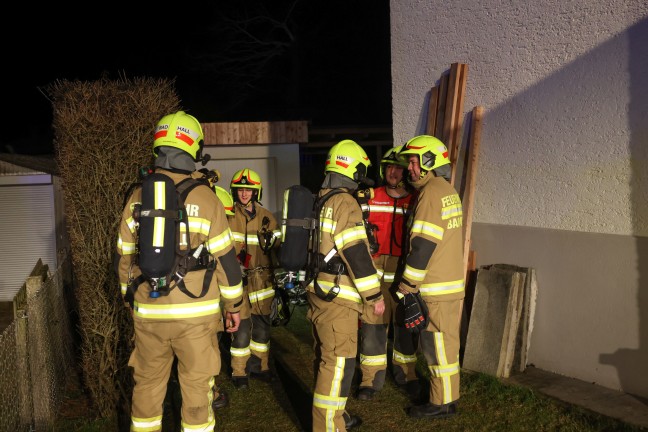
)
(450, 106)
(468, 198)
(255, 133)
(441, 108)
(433, 107)
(457, 124)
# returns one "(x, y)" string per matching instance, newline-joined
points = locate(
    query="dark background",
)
(327, 62)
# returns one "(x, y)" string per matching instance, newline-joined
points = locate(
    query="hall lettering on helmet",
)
(455, 222)
(192, 210)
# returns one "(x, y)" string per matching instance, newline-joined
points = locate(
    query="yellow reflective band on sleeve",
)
(367, 283)
(377, 360)
(426, 228)
(346, 292)
(231, 292)
(259, 347)
(123, 287)
(146, 424)
(413, 274)
(132, 225)
(403, 358)
(220, 242)
(328, 225)
(380, 273)
(199, 225)
(442, 288)
(186, 310)
(451, 211)
(238, 237)
(240, 352)
(389, 277)
(349, 235)
(159, 222)
(252, 239)
(125, 248)
(257, 296)
(277, 234)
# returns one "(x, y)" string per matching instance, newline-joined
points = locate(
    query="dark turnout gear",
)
(256, 236)
(434, 267)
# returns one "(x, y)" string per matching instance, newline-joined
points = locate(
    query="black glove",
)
(415, 312)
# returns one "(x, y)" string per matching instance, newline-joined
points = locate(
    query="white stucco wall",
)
(562, 179)
(564, 86)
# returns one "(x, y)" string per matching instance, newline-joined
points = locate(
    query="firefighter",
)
(347, 280)
(257, 237)
(388, 209)
(434, 269)
(176, 325)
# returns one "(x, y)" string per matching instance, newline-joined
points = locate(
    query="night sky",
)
(325, 61)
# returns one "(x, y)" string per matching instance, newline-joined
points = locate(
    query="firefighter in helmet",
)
(388, 209)
(347, 280)
(177, 325)
(257, 237)
(434, 269)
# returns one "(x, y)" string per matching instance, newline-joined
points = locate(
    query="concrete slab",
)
(625, 407)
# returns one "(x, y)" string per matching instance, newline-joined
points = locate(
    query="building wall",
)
(563, 155)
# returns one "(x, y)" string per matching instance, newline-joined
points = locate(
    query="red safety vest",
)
(390, 216)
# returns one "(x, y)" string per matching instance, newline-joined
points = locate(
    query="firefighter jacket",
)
(434, 263)
(389, 215)
(343, 236)
(249, 230)
(207, 226)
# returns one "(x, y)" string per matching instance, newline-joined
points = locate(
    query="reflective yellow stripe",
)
(123, 287)
(385, 209)
(146, 424)
(257, 296)
(199, 225)
(205, 427)
(367, 283)
(259, 347)
(451, 211)
(186, 310)
(442, 288)
(220, 242)
(132, 225)
(231, 292)
(125, 248)
(159, 222)
(327, 225)
(426, 228)
(403, 358)
(413, 274)
(240, 352)
(346, 292)
(349, 235)
(377, 360)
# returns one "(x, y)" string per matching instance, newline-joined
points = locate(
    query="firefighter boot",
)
(433, 411)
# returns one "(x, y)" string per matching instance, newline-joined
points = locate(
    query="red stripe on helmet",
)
(160, 134)
(415, 147)
(445, 154)
(342, 164)
(249, 177)
(185, 138)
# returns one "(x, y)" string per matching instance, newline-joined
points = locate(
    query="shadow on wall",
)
(625, 359)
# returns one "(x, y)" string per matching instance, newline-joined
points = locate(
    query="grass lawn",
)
(486, 404)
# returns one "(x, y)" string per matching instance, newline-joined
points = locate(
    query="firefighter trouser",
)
(440, 345)
(373, 337)
(335, 335)
(156, 345)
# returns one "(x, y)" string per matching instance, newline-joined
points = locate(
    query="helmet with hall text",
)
(349, 159)
(182, 131)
